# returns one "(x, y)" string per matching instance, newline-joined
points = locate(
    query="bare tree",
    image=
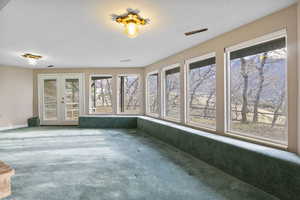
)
(154, 105)
(210, 96)
(102, 95)
(278, 107)
(109, 90)
(172, 93)
(153, 93)
(260, 69)
(202, 77)
(244, 73)
(131, 91)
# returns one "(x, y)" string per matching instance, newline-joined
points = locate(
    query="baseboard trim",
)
(13, 127)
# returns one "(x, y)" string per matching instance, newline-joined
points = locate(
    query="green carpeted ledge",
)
(274, 171)
(107, 121)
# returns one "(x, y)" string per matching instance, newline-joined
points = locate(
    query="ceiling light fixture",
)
(131, 20)
(32, 59)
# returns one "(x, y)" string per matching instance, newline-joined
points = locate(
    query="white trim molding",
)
(13, 127)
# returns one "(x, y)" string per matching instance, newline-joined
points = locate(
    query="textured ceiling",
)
(80, 33)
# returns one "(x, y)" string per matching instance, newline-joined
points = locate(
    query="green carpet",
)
(72, 163)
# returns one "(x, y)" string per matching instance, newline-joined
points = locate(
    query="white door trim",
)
(60, 78)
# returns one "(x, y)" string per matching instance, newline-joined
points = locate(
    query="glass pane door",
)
(71, 99)
(61, 98)
(50, 99)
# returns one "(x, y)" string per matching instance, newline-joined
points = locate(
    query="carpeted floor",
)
(96, 164)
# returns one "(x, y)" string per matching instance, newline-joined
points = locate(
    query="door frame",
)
(60, 77)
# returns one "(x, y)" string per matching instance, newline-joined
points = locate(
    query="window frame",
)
(90, 94)
(242, 45)
(140, 95)
(147, 92)
(163, 92)
(187, 70)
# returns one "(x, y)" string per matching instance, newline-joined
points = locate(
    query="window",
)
(129, 94)
(172, 93)
(101, 95)
(258, 106)
(152, 94)
(201, 79)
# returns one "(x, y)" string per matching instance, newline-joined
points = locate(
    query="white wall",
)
(298, 54)
(3, 3)
(16, 96)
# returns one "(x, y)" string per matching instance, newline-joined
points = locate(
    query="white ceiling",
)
(3, 3)
(80, 33)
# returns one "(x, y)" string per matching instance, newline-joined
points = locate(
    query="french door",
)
(61, 98)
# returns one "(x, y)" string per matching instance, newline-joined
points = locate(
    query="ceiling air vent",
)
(125, 60)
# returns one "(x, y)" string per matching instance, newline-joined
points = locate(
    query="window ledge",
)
(257, 141)
(261, 148)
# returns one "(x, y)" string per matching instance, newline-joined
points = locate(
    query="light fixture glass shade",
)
(131, 30)
(32, 61)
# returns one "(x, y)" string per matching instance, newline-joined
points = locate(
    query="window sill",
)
(172, 120)
(101, 113)
(152, 115)
(201, 127)
(255, 140)
(233, 135)
(129, 114)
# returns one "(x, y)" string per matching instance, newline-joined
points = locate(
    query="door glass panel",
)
(71, 99)
(50, 99)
